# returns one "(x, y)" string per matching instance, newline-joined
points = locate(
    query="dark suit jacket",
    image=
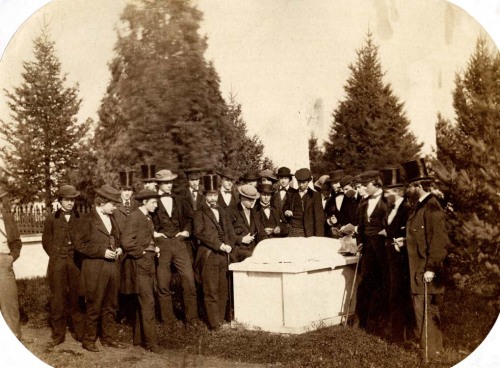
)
(184, 215)
(95, 267)
(242, 227)
(427, 240)
(346, 214)
(12, 233)
(397, 227)
(207, 230)
(136, 237)
(313, 220)
(186, 196)
(329, 210)
(232, 208)
(376, 222)
(120, 214)
(275, 219)
(276, 201)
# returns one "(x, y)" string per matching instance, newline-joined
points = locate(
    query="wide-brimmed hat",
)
(356, 179)
(391, 177)
(146, 194)
(265, 188)
(226, 172)
(303, 174)
(268, 174)
(368, 176)
(248, 191)
(108, 192)
(335, 176)
(323, 180)
(348, 179)
(67, 191)
(126, 179)
(193, 173)
(250, 176)
(284, 172)
(416, 170)
(210, 183)
(148, 172)
(165, 175)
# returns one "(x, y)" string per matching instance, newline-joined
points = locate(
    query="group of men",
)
(130, 241)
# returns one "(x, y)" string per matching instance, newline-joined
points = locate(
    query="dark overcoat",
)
(314, 218)
(120, 214)
(427, 240)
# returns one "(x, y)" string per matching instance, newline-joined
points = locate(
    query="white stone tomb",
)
(293, 285)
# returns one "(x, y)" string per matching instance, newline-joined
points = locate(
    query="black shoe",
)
(76, 337)
(54, 342)
(155, 349)
(91, 347)
(112, 344)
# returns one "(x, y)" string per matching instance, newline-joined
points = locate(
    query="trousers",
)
(9, 302)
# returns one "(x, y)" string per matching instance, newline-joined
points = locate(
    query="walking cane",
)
(229, 292)
(425, 324)
(352, 291)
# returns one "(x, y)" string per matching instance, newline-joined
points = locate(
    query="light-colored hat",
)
(321, 181)
(249, 191)
(165, 175)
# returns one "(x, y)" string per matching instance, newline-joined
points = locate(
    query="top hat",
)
(368, 176)
(210, 183)
(148, 172)
(165, 175)
(322, 181)
(348, 179)
(146, 194)
(391, 177)
(335, 176)
(268, 174)
(193, 173)
(284, 172)
(126, 179)
(250, 176)
(265, 188)
(303, 174)
(248, 191)
(108, 192)
(228, 173)
(67, 191)
(416, 170)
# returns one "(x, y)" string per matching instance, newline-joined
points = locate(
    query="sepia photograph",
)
(253, 183)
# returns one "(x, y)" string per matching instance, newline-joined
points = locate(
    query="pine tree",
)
(44, 137)
(369, 128)
(163, 104)
(318, 165)
(468, 165)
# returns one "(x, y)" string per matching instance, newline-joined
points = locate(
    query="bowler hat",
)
(416, 170)
(228, 173)
(165, 175)
(146, 194)
(335, 176)
(250, 176)
(368, 176)
(323, 180)
(148, 172)
(391, 177)
(284, 172)
(303, 174)
(265, 188)
(268, 174)
(248, 191)
(348, 179)
(193, 173)
(67, 191)
(126, 179)
(108, 192)
(210, 183)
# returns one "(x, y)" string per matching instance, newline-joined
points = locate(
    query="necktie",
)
(226, 191)
(127, 203)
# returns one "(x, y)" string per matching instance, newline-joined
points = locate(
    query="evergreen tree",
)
(369, 128)
(163, 104)
(318, 165)
(44, 136)
(469, 168)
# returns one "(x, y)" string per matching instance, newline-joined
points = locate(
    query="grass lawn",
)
(467, 319)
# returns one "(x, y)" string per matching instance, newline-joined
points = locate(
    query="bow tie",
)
(264, 206)
(194, 190)
(282, 189)
(303, 191)
(166, 195)
(226, 191)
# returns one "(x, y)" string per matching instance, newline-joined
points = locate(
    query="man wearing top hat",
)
(271, 219)
(400, 304)
(148, 176)
(100, 279)
(284, 190)
(426, 241)
(138, 242)
(303, 209)
(247, 226)
(173, 225)
(372, 294)
(62, 233)
(10, 248)
(213, 227)
(228, 197)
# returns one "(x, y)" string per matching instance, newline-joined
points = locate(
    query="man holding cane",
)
(426, 239)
